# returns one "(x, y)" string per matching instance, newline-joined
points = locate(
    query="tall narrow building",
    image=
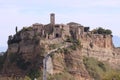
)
(52, 19)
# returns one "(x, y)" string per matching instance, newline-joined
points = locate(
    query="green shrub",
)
(102, 66)
(66, 50)
(20, 62)
(107, 31)
(91, 44)
(77, 42)
(100, 30)
(73, 47)
(69, 39)
(27, 29)
(2, 60)
(61, 76)
(34, 73)
(52, 46)
(13, 57)
(60, 50)
(27, 78)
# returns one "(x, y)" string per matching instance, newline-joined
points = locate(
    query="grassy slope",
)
(100, 70)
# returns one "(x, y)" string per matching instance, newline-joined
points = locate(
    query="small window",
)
(57, 35)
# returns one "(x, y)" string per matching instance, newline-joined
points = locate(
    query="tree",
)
(34, 73)
(100, 30)
(107, 31)
(16, 29)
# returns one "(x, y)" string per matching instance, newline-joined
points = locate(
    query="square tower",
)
(52, 19)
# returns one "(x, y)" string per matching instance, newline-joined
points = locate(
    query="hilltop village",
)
(53, 31)
(29, 46)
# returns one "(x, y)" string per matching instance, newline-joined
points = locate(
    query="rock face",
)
(99, 40)
(27, 48)
(31, 46)
(71, 63)
(49, 65)
(102, 49)
(23, 47)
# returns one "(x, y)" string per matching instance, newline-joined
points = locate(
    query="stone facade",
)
(58, 31)
(52, 30)
(75, 30)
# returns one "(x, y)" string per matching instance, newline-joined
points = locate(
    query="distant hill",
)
(1, 53)
(116, 41)
(3, 49)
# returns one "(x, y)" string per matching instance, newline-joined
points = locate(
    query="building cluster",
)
(53, 30)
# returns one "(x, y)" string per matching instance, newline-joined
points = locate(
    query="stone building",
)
(58, 31)
(75, 30)
(53, 30)
(39, 29)
(86, 29)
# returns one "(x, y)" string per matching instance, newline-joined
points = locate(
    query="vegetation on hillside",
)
(20, 62)
(2, 60)
(75, 43)
(100, 30)
(61, 76)
(32, 69)
(100, 70)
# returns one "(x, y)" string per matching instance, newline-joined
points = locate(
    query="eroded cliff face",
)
(29, 47)
(92, 45)
(24, 52)
(101, 47)
(70, 63)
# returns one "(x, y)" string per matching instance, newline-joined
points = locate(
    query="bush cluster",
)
(27, 29)
(100, 30)
(20, 62)
(2, 60)
(34, 73)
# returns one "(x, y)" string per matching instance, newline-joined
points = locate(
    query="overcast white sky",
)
(93, 13)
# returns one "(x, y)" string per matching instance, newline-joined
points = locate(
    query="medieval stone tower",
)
(52, 19)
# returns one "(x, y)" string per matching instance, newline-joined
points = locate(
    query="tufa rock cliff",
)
(28, 47)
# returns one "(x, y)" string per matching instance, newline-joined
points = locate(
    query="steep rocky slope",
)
(70, 62)
(26, 50)
(102, 49)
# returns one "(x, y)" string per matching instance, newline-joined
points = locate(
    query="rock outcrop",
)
(27, 48)
(101, 48)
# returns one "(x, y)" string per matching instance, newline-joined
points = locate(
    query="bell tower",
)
(52, 19)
